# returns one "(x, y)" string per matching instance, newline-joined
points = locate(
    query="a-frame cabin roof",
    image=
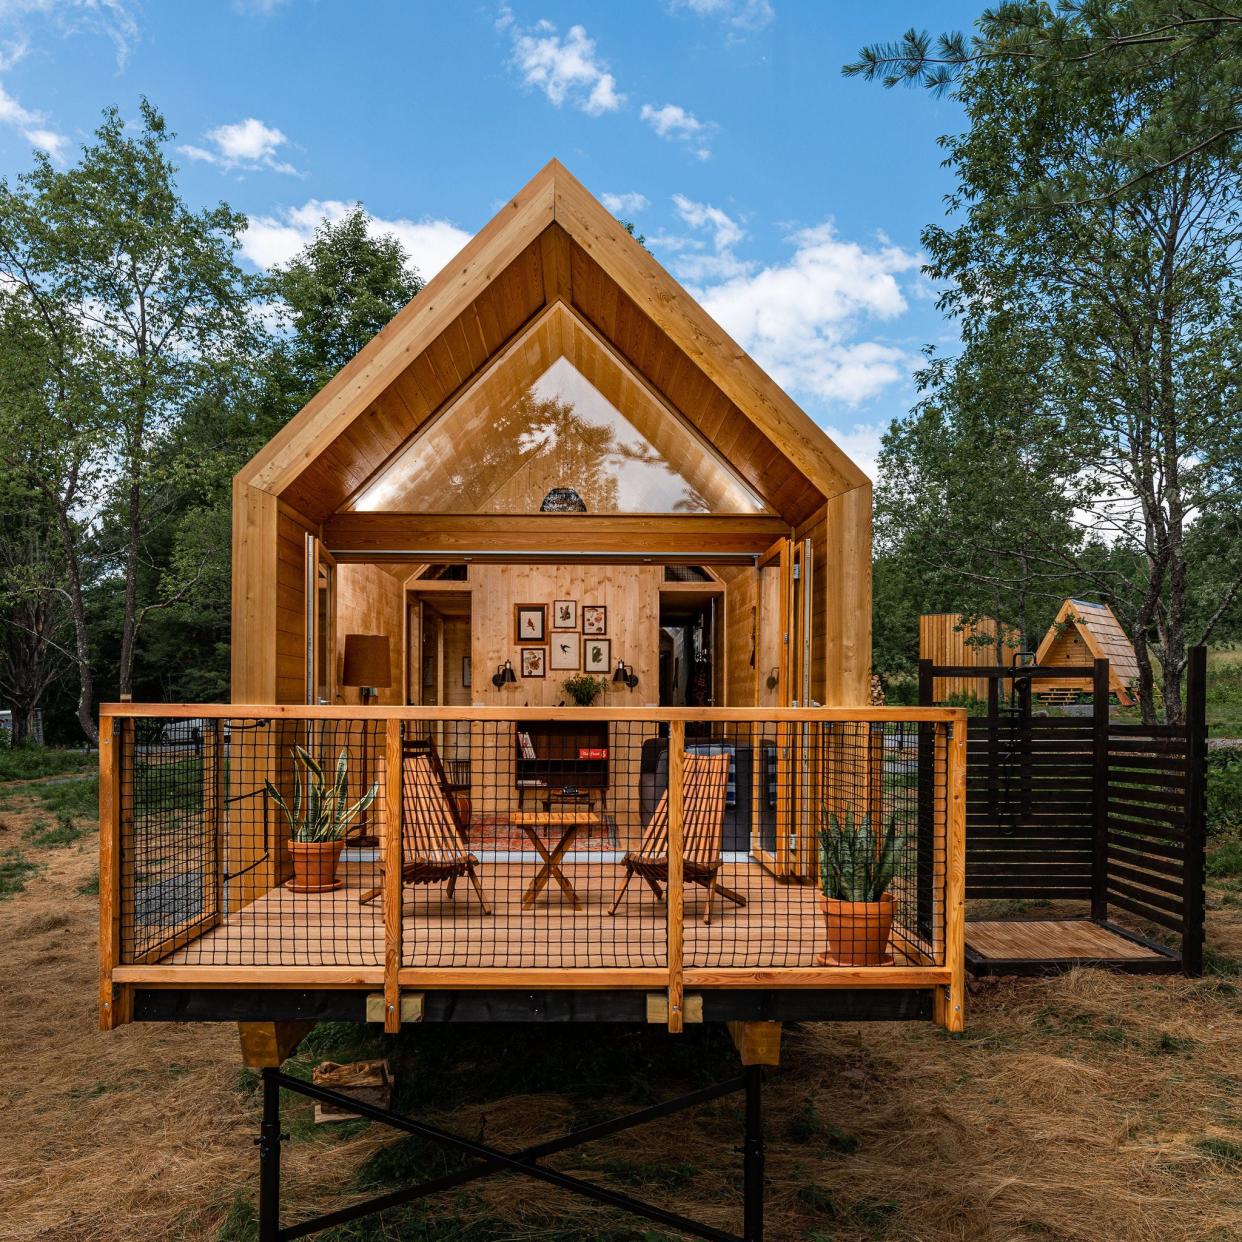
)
(1102, 635)
(553, 242)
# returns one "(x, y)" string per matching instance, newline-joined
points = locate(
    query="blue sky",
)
(787, 198)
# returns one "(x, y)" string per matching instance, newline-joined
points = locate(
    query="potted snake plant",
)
(319, 819)
(856, 867)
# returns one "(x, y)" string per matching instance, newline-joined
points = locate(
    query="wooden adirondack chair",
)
(433, 842)
(704, 784)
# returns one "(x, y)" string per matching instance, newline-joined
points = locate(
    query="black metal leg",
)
(269, 1159)
(752, 1158)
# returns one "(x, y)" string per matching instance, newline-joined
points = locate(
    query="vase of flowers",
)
(319, 819)
(856, 868)
(584, 689)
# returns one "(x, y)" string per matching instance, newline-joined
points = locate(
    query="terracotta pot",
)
(858, 931)
(314, 864)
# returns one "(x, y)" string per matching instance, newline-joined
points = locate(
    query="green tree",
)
(344, 286)
(1131, 300)
(132, 309)
(1191, 49)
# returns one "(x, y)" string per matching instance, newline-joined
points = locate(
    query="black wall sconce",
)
(625, 673)
(504, 675)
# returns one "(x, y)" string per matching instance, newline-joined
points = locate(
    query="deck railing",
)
(673, 851)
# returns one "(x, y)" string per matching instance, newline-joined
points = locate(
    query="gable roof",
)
(552, 242)
(1101, 632)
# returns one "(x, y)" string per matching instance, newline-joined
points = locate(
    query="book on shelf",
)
(592, 752)
(533, 783)
(528, 747)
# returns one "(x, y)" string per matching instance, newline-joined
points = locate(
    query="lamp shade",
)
(366, 661)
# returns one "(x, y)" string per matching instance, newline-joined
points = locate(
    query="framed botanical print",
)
(594, 619)
(534, 662)
(565, 652)
(596, 655)
(530, 623)
(565, 615)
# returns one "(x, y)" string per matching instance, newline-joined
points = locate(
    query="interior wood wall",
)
(371, 601)
(631, 595)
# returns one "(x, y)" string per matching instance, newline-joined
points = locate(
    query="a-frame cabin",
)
(1082, 632)
(551, 463)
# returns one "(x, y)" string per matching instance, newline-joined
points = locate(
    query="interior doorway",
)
(689, 656)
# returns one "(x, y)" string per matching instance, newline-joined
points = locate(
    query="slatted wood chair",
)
(433, 840)
(704, 784)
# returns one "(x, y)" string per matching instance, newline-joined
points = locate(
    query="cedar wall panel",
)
(741, 599)
(370, 601)
(841, 544)
(291, 531)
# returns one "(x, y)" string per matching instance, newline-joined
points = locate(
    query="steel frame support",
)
(492, 1160)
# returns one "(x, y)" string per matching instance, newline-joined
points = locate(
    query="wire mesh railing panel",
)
(514, 840)
(534, 843)
(259, 840)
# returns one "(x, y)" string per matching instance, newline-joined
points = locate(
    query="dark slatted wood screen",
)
(1087, 808)
(1029, 823)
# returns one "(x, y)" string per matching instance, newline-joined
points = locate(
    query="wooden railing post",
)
(954, 1004)
(675, 894)
(109, 874)
(392, 856)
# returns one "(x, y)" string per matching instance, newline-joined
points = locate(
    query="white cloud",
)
(673, 122)
(114, 19)
(740, 14)
(245, 146)
(726, 231)
(31, 126)
(273, 239)
(802, 319)
(709, 257)
(628, 204)
(567, 70)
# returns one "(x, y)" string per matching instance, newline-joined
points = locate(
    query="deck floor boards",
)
(781, 925)
(1033, 940)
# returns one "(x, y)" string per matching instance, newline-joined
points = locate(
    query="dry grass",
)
(1087, 1107)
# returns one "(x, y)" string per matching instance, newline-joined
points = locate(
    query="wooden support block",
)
(411, 1007)
(368, 1081)
(267, 1045)
(757, 1043)
(657, 1007)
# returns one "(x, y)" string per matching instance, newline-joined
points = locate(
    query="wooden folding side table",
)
(570, 823)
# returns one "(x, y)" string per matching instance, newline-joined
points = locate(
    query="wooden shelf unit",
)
(556, 763)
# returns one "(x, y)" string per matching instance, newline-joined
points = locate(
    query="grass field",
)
(1090, 1107)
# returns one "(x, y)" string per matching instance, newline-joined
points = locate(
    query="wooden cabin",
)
(551, 462)
(950, 639)
(1083, 632)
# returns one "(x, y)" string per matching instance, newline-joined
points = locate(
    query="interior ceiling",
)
(553, 267)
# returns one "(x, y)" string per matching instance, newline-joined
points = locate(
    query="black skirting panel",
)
(281, 1005)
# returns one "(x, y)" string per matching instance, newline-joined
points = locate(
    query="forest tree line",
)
(140, 368)
(1084, 439)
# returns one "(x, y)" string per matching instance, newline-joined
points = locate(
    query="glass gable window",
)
(511, 440)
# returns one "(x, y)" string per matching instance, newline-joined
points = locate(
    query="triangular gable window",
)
(537, 426)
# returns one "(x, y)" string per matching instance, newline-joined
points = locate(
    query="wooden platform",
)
(1047, 946)
(781, 925)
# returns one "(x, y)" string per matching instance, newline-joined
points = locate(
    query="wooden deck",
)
(781, 925)
(1031, 946)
